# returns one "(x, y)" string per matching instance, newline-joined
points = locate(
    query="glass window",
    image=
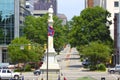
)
(8, 71)
(7, 21)
(27, 6)
(3, 71)
(116, 4)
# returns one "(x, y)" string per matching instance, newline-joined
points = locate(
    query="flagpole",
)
(47, 57)
(47, 50)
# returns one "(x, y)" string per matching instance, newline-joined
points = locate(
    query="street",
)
(72, 69)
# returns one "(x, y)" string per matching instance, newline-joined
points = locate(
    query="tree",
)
(36, 30)
(90, 26)
(30, 52)
(97, 52)
(61, 32)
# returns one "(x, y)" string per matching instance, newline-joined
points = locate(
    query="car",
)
(8, 74)
(37, 72)
(85, 62)
(114, 69)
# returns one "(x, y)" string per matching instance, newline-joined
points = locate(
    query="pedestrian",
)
(41, 78)
(65, 78)
(58, 77)
(61, 74)
(22, 78)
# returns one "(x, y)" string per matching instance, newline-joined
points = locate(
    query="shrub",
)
(101, 67)
(27, 67)
(92, 67)
(17, 70)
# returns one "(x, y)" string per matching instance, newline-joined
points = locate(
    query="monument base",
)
(52, 67)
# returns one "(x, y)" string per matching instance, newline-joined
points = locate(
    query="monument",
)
(50, 63)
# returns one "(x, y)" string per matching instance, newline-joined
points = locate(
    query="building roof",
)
(45, 4)
(61, 16)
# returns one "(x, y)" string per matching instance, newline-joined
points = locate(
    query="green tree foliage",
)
(61, 32)
(36, 30)
(30, 52)
(90, 26)
(97, 52)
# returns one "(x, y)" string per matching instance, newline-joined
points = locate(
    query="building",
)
(113, 7)
(12, 13)
(63, 18)
(92, 3)
(89, 3)
(41, 7)
(30, 5)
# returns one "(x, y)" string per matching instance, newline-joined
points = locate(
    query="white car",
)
(8, 74)
(114, 69)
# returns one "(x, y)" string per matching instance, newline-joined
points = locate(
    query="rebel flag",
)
(50, 31)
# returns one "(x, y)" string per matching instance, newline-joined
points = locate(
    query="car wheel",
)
(16, 77)
(112, 72)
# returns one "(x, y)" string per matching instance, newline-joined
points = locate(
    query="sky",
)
(70, 8)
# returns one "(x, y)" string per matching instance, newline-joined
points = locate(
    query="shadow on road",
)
(75, 66)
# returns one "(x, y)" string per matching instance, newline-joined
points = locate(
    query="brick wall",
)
(90, 3)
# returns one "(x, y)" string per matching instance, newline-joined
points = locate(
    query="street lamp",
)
(118, 36)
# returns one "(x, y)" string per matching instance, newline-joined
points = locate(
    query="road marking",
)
(115, 76)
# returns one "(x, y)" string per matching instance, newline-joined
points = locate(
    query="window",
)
(116, 4)
(27, 6)
(3, 71)
(8, 71)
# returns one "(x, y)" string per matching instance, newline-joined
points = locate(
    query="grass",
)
(86, 78)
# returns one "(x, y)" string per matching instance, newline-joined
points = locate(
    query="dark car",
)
(86, 62)
(37, 72)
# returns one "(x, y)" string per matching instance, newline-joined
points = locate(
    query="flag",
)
(50, 31)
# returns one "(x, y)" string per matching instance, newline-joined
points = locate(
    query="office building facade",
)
(12, 13)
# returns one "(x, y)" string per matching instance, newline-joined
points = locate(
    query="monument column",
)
(50, 63)
(50, 31)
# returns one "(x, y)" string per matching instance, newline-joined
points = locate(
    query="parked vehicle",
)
(37, 72)
(8, 74)
(114, 69)
(86, 62)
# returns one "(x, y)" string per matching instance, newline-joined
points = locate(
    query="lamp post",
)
(118, 36)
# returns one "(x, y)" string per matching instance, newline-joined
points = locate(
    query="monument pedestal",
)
(53, 65)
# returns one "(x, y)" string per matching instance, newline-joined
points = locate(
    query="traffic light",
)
(29, 46)
(45, 47)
